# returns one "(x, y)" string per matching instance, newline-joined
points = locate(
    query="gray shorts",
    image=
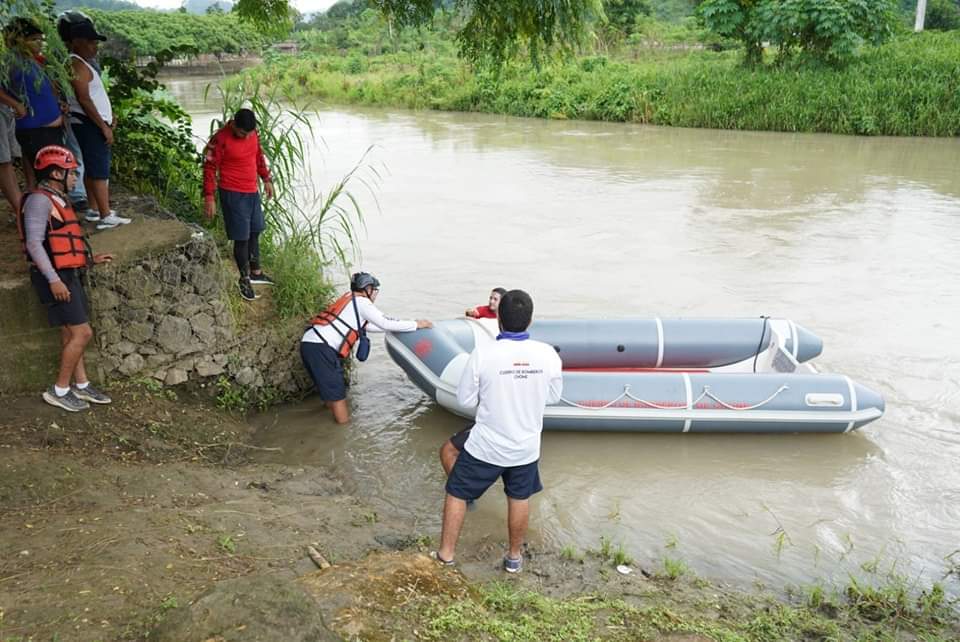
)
(9, 148)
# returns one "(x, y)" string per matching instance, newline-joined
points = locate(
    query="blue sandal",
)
(511, 565)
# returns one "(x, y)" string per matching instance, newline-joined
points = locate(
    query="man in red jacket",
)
(235, 157)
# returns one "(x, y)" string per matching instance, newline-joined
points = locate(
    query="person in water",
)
(332, 334)
(488, 311)
(510, 381)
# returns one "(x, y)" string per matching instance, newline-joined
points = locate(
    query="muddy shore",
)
(127, 522)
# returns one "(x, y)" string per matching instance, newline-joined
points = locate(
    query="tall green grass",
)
(907, 87)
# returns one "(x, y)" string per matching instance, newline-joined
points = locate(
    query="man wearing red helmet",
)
(57, 251)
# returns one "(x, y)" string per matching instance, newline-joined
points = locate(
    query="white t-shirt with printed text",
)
(510, 382)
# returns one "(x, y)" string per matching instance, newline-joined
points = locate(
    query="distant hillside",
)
(202, 6)
(103, 5)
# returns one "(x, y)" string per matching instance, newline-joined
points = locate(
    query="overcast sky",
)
(304, 6)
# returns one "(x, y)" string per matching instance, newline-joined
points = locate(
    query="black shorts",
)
(34, 139)
(326, 369)
(242, 214)
(470, 478)
(72, 312)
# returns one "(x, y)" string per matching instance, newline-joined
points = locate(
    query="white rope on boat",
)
(603, 407)
(706, 393)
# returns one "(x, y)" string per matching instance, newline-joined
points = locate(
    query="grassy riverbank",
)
(119, 519)
(907, 87)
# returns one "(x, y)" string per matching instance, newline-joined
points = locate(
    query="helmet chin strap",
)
(62, 181)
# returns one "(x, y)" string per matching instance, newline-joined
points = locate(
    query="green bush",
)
(943, 15)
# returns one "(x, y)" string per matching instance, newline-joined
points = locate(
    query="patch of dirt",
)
(113, 517)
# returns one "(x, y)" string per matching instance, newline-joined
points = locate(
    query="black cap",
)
(67, 20)
(21, 28)
(85, 31)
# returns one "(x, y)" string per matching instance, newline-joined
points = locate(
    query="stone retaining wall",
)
(168, 316)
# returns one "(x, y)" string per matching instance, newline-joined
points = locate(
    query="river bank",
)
(902, 88)
(143, 516)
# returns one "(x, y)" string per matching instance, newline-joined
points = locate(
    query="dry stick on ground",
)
(317, 558)
(230, 444)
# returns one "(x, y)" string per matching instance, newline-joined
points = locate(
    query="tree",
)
(623, 14)
(734, 19)
(943, 14)
(492, 29)
(827, 31)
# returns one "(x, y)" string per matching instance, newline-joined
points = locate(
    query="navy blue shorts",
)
(460, 438)
(470, 478)
(326, 369)
(242, 214)
(72, 312)
(93, 146)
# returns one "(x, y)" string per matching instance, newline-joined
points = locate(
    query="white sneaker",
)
(112, 221)
(92, 216)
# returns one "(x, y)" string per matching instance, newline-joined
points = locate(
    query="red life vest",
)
(331, 314)
(65, 242)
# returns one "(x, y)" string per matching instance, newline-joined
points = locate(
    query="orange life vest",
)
(331, 314)
(65, 242)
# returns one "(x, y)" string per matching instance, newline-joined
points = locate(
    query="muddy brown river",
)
(855, 238)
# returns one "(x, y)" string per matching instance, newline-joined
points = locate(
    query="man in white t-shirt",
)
(333, 333)
(510, 381)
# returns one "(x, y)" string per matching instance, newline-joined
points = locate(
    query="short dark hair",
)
(500, 291)
(515, 311)
(45, 173)
(245, 119)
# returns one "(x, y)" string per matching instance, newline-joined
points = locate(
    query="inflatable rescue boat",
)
(661, 375)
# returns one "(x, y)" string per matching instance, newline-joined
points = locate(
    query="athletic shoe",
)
(91, 394)
(435, 555)
(511, 565)
(261, 279)
(246, 290)
(92, 216)
(68, 402)
(114, 220)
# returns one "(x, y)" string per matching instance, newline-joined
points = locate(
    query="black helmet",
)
(69, 20)
(362, 280)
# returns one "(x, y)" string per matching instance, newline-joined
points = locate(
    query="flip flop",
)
(434, 555)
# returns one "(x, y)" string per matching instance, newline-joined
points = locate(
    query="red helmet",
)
(55, 156)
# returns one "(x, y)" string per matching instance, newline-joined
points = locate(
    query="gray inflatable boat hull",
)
(670, 375)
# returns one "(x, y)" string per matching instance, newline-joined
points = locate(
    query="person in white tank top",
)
(93, 122)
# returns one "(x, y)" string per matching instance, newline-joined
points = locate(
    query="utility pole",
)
(921, 13)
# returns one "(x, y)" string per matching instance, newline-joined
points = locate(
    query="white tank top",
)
(98, 94)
